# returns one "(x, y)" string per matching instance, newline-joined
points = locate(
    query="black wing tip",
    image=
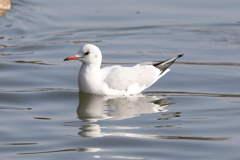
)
(180, 55)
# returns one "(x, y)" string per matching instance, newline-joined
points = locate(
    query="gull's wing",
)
(120, 78)
(167, 63)
(137, 77)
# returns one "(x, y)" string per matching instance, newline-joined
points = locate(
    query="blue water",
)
(190, 113)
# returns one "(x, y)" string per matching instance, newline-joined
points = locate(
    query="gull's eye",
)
(86, 53)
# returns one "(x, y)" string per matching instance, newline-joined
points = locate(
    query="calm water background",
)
(190, 113)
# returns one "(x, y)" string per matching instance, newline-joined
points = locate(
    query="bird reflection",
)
(92, 108)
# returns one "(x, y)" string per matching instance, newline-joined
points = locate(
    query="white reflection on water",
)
(66, 150)
(94, 130)
(119, 157)
(92, 108)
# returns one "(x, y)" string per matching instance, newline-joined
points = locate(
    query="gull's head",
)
(88, 54)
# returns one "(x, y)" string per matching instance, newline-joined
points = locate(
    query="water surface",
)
(190, 113)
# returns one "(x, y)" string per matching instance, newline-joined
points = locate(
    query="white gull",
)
(115, 80)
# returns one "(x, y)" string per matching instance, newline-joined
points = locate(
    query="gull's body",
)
(115, 80)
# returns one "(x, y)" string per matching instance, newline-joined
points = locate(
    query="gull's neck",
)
(90, 68)
(89, 78)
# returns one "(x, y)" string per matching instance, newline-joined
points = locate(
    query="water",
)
(190, 113)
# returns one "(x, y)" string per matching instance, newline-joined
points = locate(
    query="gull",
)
(116, 80)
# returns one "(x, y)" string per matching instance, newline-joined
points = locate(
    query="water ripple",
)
(179, 93)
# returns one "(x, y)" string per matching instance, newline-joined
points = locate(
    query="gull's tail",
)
(165, 64)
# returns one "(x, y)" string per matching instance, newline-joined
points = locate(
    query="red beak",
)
(71, 58)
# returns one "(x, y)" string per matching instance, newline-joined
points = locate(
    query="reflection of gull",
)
(94, 130)
(92, 108)
(95, 107)
(116, 80)
(91, 130)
